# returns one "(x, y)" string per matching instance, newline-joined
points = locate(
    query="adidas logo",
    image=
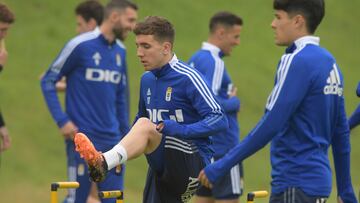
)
(334, 83)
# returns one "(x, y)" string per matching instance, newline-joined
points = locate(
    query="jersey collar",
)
(166, 68)
(212, 48)
(303, 41)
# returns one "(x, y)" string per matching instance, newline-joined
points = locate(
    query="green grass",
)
(37, 156)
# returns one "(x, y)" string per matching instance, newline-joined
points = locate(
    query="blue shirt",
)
(177, 95)
(208, 61)
(354, 119)
(96, 93)
(305, 114)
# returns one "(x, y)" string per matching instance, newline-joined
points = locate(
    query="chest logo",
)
(168, 94)
(118, 60)
(97, 58)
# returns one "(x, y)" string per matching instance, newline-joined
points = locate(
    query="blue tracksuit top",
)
(177, 95)
(305, 114)
(354, 119)
(208, 62)
(96, 93)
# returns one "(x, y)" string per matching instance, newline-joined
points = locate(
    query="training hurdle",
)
(256, 194)
(119, 195)
(60, 185)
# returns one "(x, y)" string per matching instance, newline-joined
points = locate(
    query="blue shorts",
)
(228, 187)
(78, 171)
(173, 170)
(295, 195)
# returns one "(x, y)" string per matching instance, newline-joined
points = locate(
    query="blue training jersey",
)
(177, 95)
(354, 119)
(208, 61)
(96, 92)
(305, 114)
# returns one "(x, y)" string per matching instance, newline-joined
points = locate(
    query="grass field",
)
(37, 156)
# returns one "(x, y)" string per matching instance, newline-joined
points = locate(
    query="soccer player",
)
(7, 18)
(354, 119)
(224, 35)
(94, 64)
(177, 114)
(304, 115)
(89, 15)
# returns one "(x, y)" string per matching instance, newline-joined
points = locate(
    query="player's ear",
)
(92, 23)
(167, 47)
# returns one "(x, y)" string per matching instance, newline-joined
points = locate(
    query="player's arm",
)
(341, 154)
(354, 119)
(122, 107)
(141, 105)
(203, 100)
(63, 64)
(286, 97)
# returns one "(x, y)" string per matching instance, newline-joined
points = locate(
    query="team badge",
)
(118, 60)
(97, 58)
(168, 94)
(81, 170)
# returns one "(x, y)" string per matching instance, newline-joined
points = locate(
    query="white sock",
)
(116, 156)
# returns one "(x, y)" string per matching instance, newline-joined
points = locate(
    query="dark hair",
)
(161, 28)
(120, 5)
(224, 18)
(312, 10)
(6, 15)
(90, 9)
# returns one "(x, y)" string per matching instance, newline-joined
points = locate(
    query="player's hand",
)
(160, 126)
(69, 130)
(233, 92)
(5, 137)
(204, 180)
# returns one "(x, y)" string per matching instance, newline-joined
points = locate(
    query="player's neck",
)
(106, 30)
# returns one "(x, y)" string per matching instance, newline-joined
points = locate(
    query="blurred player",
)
(7, 18)
(96, 95)
(177, 114)
(304, 115)
(354, 119)
(224, 35)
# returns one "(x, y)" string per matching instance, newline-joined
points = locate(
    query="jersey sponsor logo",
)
(168, 94)
(99, 75)
(333, 83)
(190, 189)
(97, 58)
(156, 115)
(118, 60)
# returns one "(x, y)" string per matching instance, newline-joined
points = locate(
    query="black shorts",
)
(228, 187)
(295, 195)
(177, 181)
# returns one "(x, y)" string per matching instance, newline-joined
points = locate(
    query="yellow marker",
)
(119, 195)
(256, 194)
(56, 185)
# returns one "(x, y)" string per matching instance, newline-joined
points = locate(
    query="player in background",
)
(7, 18)
(94, 64)
(177, 114)
(304, 115)
(354, 119)
(224, 35)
